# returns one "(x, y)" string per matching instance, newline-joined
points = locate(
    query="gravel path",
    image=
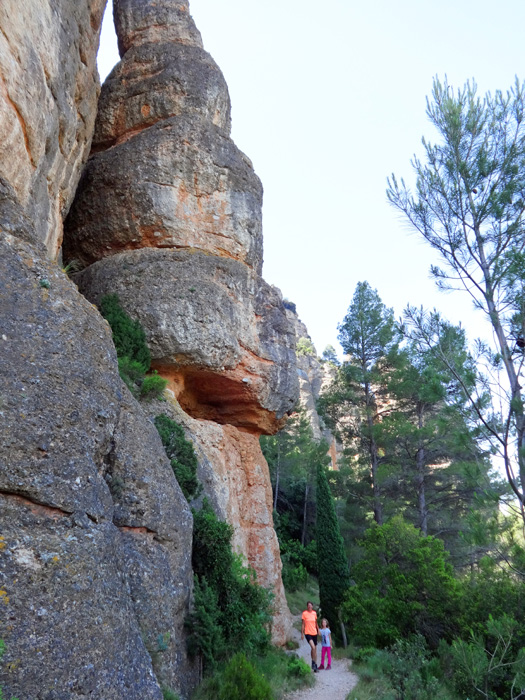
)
(334, 684)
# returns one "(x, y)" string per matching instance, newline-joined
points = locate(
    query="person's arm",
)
(302, 629)
(330, 637)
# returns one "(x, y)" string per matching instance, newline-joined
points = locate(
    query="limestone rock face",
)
(214, 328)
(168, 216)
(234, 476)
(164, 172)
(314, 376)
(48, 94)
(95, 546)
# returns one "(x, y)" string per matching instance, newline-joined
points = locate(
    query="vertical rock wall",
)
(48, 95)
(95, 534)
(168, 216)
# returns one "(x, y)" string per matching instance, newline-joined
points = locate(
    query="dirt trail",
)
(334, 684)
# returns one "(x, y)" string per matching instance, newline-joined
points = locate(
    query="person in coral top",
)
(310, 630)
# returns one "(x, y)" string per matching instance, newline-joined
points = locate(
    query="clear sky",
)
(328, 99)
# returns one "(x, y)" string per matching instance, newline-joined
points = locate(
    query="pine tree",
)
(469, 205)
(351, 405)
(334, 575)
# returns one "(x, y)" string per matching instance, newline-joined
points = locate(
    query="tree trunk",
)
(516, 408)
(374, 459)
(303, 534)
(420, 478)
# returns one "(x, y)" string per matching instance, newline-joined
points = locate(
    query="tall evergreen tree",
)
(469, 205)
(351, 405)
(334, 576)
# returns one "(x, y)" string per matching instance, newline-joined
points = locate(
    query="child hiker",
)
(326, 642)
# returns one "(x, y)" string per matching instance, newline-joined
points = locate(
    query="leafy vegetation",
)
(2, 652)
(404, 585)
(271, 676)
(334, 576)
(134, 359)
(231, 612)
(181, 454)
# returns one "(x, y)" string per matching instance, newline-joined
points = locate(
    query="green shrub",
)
(134, 359)
(168, 694)
(132, 373)
(230, 598)
(364, 654)
(2, 652)
(181, 454)
(492, 664)
(408, 669)
(128, 335)
(206, 635)
(404, 585)
(305, 347)
(298, 667)
(242, 682)
(293, 552)
(294, 577)
(152, 386)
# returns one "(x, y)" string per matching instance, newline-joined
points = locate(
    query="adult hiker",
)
(310, 630)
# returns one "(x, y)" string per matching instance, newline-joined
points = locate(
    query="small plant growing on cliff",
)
(305, 347)
(134, 359)
(152, 386)
(128, 335)
(2, 652)
(181, 455)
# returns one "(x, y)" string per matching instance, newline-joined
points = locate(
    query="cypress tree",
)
(334, 575)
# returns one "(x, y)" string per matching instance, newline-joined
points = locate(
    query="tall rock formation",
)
(314, 376)
(168, 216)
(95, 534)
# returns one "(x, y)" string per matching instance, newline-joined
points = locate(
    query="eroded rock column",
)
(168, 216)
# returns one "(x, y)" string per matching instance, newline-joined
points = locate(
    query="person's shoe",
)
(314, 666)
(321, 667)
(329, 667)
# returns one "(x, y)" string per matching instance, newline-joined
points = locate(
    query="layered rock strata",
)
(168, 216)
(48, 95)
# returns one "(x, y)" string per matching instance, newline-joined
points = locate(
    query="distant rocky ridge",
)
(95, 543)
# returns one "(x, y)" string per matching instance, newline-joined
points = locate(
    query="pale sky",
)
(328, 99)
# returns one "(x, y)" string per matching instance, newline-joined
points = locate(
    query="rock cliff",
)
(168, 216)
(314, 375)
(95, 543)
(48, 96)
(95, 538)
